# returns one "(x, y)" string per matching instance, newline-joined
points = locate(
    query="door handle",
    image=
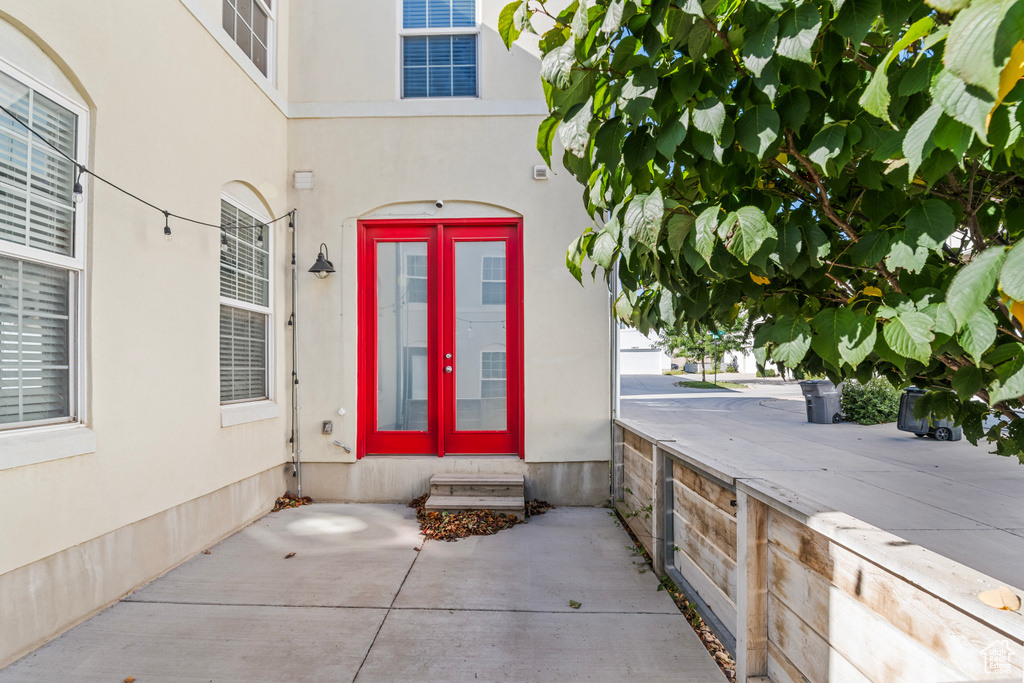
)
(447, 368)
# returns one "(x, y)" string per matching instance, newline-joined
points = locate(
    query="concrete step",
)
(504, 504)
(478, 485)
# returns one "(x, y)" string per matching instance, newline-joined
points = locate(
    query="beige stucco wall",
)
(176, 116)
(172, 119)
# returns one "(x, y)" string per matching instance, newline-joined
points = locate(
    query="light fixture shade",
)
(323, 267)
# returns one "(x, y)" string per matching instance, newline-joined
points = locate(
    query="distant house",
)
(157, 395)
(639, 353)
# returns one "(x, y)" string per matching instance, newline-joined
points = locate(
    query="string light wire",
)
(82, 169)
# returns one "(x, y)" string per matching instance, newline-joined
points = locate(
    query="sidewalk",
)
(358, 602)
(951, 497)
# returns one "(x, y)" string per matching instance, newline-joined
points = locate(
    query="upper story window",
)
(493, 281)
(416, 278)
(245, 314)
(250, 23)
(41, 256)
(439, 48)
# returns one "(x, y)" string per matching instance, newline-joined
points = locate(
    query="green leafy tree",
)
(699, 343)
(844, 172)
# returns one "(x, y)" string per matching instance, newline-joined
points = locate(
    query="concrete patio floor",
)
(358, 602)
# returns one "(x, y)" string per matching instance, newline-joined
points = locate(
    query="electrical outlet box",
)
(328, 427)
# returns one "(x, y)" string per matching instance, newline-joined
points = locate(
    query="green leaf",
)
(856, 17)
(670, 136)
(556, 66)
(944, 404)
(709, 117)
(506, 23)
(1009, 382)
(573, 132)
(930, 223)
(971, 46)
(978, 333)
(875, 98)
(918, 143)
(603, 253)
(792, 338)
(638, 93)
(948, 6)
(856, 336)
(613, 17)
(546, 136)
(973, 285)
(825, 342)
(816, 243)
(607, 141)
(790, 243)
(967, 104)
(758, 129)
(967, 381)
(749, 230)
(680, 225)
(910, 335)
(706, 224)
(638, 148)
(759, 47)
(579, 20)
(798, 31)
(827, 144)
(903, 253)
(643, 216)
(1011, 275)
(871, 248)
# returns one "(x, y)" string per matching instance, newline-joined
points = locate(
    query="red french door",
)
(440, 337)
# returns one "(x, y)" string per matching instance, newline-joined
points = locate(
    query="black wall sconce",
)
(323, 267)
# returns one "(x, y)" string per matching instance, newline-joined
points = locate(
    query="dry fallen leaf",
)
(130, 679)
(1001, 598)
(574, 604)
(206, 552)
(417, 549)
(289, 555)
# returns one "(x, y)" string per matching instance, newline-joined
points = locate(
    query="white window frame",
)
(493, 379)
(271, 13)
(75, 264)
(268, 310)
(403, 33)
(408, 277)
(483, 279)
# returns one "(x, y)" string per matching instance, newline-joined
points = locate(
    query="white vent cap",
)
(540, 172)
(303, 180)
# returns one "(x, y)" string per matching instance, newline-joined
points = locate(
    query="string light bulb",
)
(78, 194)
(259, 238)
(167, 226)
(223, 241)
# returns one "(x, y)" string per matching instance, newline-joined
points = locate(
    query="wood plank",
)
(806, 545)
(881, 651)
(640, 489)
(705, 488)
(809, 654)
(709, 520)
(718, 566)
(710, 593)
(752, 589)
(642, 470)
(638, 443)
(780, 669)
(948, 633)
(640, 524)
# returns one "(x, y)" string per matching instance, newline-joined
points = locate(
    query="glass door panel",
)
(481, 393)
(402, 335)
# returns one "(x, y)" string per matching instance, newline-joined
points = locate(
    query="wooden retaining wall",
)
(802, 593)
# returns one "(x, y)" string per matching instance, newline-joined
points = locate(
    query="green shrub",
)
(873, 403)
(766, 372)
(731, 368)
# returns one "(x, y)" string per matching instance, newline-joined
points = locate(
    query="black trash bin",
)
(943, 430)
(822, 399)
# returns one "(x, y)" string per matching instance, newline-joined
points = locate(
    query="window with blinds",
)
(245, 306)
(439, 48)
(39, 266)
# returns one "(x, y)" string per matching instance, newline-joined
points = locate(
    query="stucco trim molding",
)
(43, 599)
(401, 108)
(240, 413)
(31, 446)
